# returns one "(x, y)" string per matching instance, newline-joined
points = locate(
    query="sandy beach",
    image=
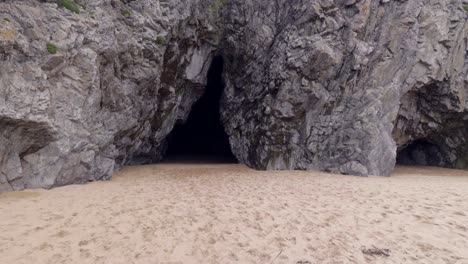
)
(173, 213)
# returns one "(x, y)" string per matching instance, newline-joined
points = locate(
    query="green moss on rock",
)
(51, 48)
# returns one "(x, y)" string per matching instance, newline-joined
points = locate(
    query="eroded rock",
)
(123, 74)
(332, 85)
(339, 86)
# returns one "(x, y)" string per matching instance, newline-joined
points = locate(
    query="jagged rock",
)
(339, 86)
(122, 76)
(332, 85)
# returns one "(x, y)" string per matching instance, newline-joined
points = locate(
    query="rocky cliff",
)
(342, 86)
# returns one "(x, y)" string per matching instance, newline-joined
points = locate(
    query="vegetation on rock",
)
(69, 5)
(160, 40)
(51, 48)
(126, 13)
(217, 5)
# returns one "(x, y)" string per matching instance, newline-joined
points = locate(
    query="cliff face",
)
(123, 73)
(341, 86)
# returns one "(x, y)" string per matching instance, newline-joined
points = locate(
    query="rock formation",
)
(87, 87)
(341, 85)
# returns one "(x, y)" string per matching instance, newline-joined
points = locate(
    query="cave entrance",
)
(202, 137)
(419, 152)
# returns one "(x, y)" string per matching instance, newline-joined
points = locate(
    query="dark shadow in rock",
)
(420, 152)
(202, 138)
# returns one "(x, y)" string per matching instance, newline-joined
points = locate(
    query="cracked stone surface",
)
(340, 86)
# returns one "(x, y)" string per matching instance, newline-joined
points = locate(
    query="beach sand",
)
(175, 213)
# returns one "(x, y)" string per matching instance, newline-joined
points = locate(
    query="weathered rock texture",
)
(323, 84)
(340, 86)
(123, 74)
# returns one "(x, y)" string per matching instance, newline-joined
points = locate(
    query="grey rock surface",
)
(123, 74)
(339, 86)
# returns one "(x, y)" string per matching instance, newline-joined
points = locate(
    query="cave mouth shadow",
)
(420, 152)
(202, 139)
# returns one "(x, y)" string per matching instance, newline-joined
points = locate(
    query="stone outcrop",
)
(340, 86)
(122, 75)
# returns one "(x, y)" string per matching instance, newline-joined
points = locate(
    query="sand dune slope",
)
(230, 214)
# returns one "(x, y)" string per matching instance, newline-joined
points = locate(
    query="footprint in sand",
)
(62, 233)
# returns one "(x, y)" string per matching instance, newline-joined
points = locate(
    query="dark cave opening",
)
(419, 152)
(202, 137)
